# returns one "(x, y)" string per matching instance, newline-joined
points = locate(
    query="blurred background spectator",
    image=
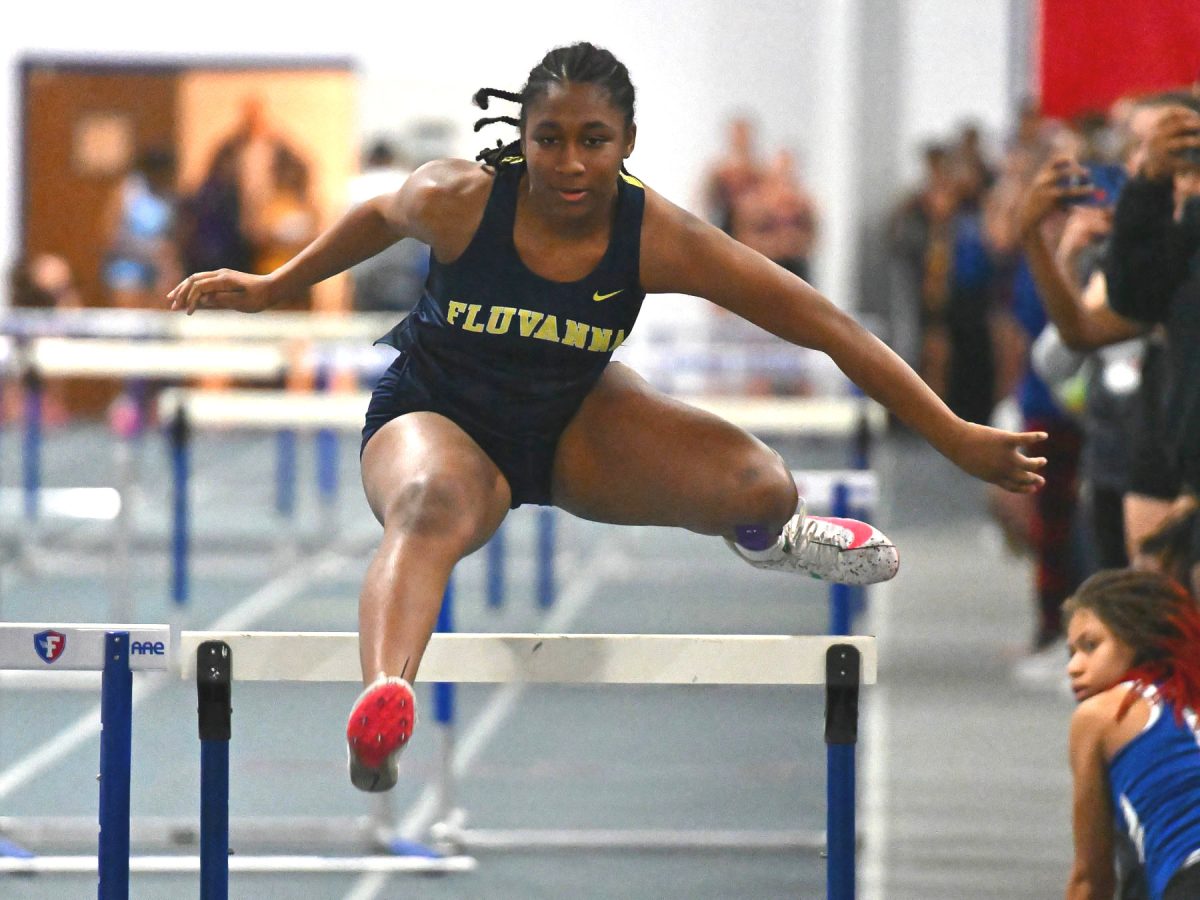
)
(287, 220)
(947, 279)
(213, 233)
(142, 258)
(737, 171)
(776, 216)
(42, 282)
(763, 204)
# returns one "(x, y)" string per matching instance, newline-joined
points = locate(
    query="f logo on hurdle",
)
(49, 644)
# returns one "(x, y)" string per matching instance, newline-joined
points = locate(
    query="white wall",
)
(789, 61)
(954, 68)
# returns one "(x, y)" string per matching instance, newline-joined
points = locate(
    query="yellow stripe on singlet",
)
(629, 178)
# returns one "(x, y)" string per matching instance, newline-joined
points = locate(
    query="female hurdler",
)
(503, 392)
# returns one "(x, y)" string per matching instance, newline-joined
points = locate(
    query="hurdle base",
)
(634, 839)
(13, 850)
(271, 863)
(174, 833)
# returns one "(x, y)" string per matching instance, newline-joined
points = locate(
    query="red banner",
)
(1093, 52)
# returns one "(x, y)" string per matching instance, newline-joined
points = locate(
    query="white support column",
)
(838, 151)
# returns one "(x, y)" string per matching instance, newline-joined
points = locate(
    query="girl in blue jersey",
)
(1134, 644)
(504, 394)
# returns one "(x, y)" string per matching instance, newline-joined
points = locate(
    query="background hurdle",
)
(134, 347)
(839, 663)
(273, 325)
(142, 344)
(114, 650)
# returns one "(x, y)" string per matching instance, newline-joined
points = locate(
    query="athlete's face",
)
(1097, 657)
(574, 142)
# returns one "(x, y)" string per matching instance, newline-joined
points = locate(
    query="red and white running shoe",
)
(380, 726)
(845, 551)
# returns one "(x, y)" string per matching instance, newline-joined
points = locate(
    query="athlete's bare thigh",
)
(423, 474)
(632, 455)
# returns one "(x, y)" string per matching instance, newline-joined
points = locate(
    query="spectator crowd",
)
(1056, 289)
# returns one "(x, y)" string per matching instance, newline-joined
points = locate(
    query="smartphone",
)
(1072, 181)
(1109, 180)
(1105, 181)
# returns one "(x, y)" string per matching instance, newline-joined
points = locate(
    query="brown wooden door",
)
(74, 115)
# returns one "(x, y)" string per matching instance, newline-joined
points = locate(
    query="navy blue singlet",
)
(506, 354)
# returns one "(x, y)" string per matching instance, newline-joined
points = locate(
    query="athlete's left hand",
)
(997, 456)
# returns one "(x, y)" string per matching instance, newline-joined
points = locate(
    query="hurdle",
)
(160, 344)
(216, 659)
(165, 324)
(116, 651)
(134, 349)
(62, 357)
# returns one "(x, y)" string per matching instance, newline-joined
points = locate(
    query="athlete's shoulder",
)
(676, 245)
(443, 195)
(448, 182)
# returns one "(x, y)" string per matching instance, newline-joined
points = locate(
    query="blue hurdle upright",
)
(116, 651)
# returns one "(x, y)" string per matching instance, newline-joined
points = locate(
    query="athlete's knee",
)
(763, 489)
(433, 505)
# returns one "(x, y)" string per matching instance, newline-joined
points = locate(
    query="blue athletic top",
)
(1033, 396)
(1155, 786)
(518, 352)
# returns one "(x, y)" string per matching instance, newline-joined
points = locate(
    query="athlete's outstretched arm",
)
(682, 254)
(417, 210)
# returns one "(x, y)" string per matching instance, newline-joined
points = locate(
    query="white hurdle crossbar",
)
(841, 663)
(144, 324)
(268, 409)
(543, 658)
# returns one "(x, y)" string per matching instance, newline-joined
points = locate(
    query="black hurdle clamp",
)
(843, 674)
(214, 690)
(179, 428)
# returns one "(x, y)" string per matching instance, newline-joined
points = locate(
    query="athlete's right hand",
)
(222, 289)
(998, 456)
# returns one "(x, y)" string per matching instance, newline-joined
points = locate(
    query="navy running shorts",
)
(527, 463)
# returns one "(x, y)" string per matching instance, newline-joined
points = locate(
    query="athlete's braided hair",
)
(581, 63)
(1154, 616)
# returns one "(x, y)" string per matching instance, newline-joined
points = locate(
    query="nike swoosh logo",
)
(597, 296)
(861, 532)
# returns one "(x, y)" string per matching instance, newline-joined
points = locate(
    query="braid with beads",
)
(581, 63)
